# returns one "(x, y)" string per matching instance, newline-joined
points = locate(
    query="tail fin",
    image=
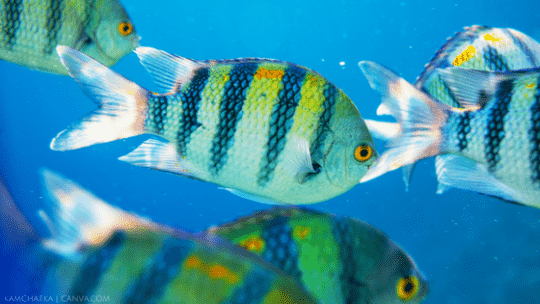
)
(420, 119)
(122, 104)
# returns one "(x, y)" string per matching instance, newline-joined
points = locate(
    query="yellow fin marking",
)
(464, 56)
(265, 73)
(301, 232)
(192, 262)
(489, 37)
(530, 85)
(253, 243)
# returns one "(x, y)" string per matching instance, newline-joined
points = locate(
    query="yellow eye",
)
(363, 153)
(407, 287)
(125, 28)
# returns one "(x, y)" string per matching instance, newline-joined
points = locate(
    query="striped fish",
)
(476, 47)
(337, 259)
(30, 30)
(496, 153)
(266, 130)
(98, 253)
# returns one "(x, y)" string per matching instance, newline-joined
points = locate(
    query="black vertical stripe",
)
(525, 48)
(323, 128)
(463, 129)
(280, 248)
(54, 23)
(95, 265)
(495, 124)
(12, 22)
(157, 106)
(494, 61)
(190, 105)
(234, 96)
(254, 288)
(154, 279)
(350, 285)
(534, 137)
(281, 120)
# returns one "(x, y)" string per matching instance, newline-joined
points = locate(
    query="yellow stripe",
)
(198, 149)
(306, 116)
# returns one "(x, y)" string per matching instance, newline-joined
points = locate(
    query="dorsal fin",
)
(169, 72)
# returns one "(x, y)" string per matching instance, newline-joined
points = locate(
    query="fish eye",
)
(407, 287)
(125, 28)
(363, 153)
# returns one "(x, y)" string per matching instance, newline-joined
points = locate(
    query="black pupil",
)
(126, 28)
(364, 152)
(409, 287)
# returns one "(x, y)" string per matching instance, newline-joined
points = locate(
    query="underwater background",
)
(471, 247)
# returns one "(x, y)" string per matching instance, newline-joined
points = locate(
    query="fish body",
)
(30, 30)
(491, 147)
(267, 130)
(478, 48)
(99, 253)
(337, 259)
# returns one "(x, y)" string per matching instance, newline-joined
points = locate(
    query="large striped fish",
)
(30, 30)
(266, 130)
(491, 147)
(337, 259)
(476, 47)
(98, 253)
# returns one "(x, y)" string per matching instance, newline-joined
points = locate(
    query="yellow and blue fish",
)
(30, 30)
(477, 48)
(266, 130)
(337, 259)
(97, 252)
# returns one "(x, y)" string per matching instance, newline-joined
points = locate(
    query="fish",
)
(491, 147)
(30, 30)
(266, 130)
(475, 47)
(338, 259)
(99, 253)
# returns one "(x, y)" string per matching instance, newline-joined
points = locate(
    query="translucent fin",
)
(419, 116)
(169, 71)
(162, 156)
(473, 88)
(122, 104)
(383, 130)
(300, 161)
(252, 197)
(78, 217)
(460, 172)
(407, 171)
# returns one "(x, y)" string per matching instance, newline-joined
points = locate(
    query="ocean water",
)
(472, 248)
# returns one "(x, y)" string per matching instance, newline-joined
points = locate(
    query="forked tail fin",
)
(122, 104)
(420, 119)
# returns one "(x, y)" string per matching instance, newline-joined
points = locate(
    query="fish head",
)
(111, 34)
(350, 152)
(397, 279)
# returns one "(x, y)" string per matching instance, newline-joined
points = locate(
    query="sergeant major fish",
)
(266, 130)
(497, 152)
(476, 47)
(30, 30)
(99, 253)
(337, 259)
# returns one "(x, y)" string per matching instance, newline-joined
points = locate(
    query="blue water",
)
(472, 248)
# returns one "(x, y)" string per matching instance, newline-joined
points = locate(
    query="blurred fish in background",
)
(475, 47)
(337, 259)
(30, 30)
(97, 252)
(266, 130)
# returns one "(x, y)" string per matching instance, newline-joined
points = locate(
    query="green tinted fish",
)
(492, 149)
(98, 253)
(266, 130)
(30, 30)
(476, 47)
(337, 259)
